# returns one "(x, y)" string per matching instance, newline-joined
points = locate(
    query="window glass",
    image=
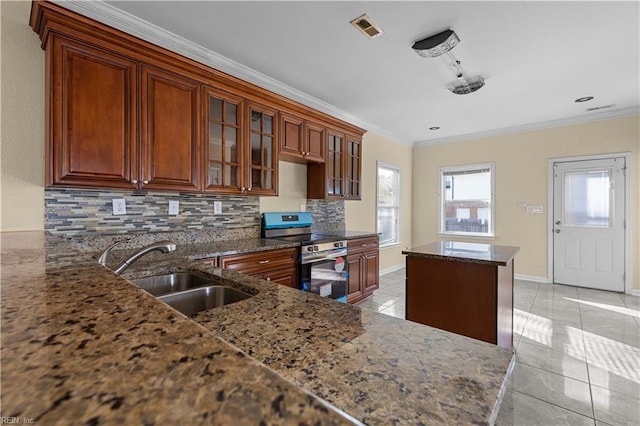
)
(466, 200)
(388, 204)
(586, 197)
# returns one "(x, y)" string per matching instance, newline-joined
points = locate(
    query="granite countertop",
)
(465, 252)
(82, 345)
(193, 251)
(351, 235)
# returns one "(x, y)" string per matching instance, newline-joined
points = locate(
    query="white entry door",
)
(589, 220)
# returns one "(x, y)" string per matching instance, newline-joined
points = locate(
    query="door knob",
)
(558, 222)
(557, 231)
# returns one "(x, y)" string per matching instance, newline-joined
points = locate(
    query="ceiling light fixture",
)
(436, 45)
(584, 99)
(440, 45)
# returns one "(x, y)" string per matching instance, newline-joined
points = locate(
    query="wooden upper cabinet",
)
(314, 135)
(353, 166)
(327, 180)
(262, 156)
(291, 137)
(170, 140)
(223, 142)
(301, 141)
(124, 113)
(340, 177)
(91, 104)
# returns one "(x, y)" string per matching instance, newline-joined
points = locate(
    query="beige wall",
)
(22, 126)
(292, 189)
(522, 176)
(361, 215)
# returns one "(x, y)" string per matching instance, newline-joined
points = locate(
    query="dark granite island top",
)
(466, 252)
(82, 345)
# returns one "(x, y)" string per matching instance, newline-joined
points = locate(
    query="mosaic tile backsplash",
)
(85, 217)
(72, 212)
(328, 216)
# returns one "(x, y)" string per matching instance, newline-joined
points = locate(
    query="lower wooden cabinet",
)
(363, 264)
(280, 266)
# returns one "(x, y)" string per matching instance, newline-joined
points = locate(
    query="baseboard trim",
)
(534, 278)
(634, 292)
(391, 269)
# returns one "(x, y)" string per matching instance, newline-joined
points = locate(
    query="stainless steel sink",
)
(170, 283)
(201, 299)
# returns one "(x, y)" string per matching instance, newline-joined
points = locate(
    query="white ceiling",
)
(536, 58)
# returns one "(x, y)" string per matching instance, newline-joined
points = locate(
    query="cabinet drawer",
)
(262, 261)
(362, 244)
(287, 277)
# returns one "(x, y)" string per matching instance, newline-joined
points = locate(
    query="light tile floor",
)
(577, 353)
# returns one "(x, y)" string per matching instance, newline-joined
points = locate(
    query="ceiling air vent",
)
(366, 26)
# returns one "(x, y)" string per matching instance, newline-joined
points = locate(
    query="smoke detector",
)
(366, 26)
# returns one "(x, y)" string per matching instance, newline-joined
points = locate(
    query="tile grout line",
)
(555, 405)
(584, 345)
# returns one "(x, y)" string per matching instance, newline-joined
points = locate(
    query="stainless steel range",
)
(322, 264)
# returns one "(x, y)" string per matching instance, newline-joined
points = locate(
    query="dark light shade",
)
(436, 45)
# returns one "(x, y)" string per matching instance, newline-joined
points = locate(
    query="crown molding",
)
(581, 119)
(130, 24)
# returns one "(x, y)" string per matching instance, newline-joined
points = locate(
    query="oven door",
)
(325, 274)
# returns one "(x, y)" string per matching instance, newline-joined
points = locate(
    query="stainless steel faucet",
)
(163, 246)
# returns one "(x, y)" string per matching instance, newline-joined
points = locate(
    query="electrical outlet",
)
(217, 207)
(174, 207)
(119, 206)
(303, 207)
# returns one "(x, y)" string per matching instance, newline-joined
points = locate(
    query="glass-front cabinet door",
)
(335, 171)
(353, 186)
(223, 147)
(262, 159)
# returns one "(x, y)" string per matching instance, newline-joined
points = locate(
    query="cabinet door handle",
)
(249, 189)
(145, 182)
(262, 262)
(134, 181)
(243, 189)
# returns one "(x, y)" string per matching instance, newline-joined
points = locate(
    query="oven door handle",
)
(331, 255)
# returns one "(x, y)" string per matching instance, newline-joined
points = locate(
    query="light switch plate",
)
(174, 207)
(119, 206)
(535, 209)
(217, 207)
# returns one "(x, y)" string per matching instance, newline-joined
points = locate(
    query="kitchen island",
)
(83, 345)
(464, 288)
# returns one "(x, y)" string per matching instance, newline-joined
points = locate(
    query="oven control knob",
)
(310, 248)
(339, 244)
(315, 248)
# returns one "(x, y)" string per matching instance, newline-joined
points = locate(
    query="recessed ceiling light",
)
(434, 128)
(584, 99)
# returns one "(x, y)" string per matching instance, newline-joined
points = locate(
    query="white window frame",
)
(441, 205)
(398, 171)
